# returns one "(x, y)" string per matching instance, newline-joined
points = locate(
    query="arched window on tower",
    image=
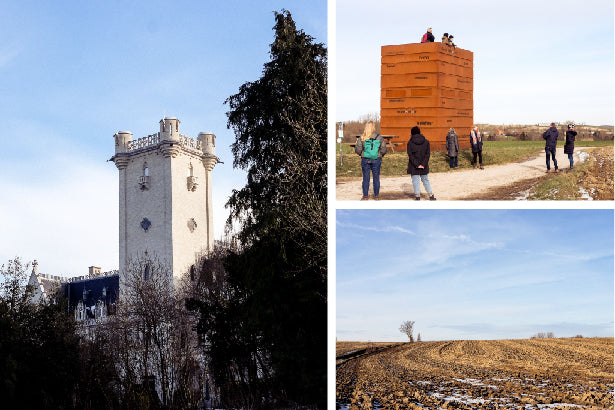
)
(146, 272)
(192, 273)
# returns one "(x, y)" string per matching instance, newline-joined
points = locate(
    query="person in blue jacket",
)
(550, 137)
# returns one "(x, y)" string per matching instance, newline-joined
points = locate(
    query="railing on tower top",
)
(154, 139)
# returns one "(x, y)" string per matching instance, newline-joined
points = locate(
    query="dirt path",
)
(462, 184)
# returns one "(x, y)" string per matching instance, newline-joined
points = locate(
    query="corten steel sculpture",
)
(429, 85)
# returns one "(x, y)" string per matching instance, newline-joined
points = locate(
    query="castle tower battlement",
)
(165, 196)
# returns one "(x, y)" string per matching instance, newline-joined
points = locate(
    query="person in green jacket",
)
(371, 147)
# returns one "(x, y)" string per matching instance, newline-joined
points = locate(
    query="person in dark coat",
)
(569, 145)
(550, 137)
(476, 141)
(428, 37)
(418, 163)
(452, 146)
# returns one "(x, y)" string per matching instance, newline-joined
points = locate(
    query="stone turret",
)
(169, 129)
(123, 141)
(208, 146)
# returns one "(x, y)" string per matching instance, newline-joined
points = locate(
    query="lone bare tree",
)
(406, 328)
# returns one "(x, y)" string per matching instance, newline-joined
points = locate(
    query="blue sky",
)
(534, 61)
(73, 73)
(474, 274)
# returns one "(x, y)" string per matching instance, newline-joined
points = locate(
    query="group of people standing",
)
(476, 142)
(371, 146)
(550, 136)
(447, 39)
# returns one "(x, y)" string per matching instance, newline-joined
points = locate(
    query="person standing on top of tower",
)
(445, 39)
(450, 41)
(550, 137)
(428, 37)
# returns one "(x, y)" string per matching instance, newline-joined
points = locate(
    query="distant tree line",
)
(542, 335)
(491, 132)
(353, 128)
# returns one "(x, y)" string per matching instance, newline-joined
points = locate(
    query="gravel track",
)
(459, 184)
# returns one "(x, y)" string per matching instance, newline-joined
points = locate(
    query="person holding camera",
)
(569, 144)
(371, 147)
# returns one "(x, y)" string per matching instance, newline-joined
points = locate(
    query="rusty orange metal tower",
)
(429, 85)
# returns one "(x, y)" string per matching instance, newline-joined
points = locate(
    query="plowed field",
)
(489, 374)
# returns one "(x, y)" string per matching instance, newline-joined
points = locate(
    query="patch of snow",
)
(585, 194)
(475, 382)
(583, 156)
(463, 398)
(523, 195)
(554, 405)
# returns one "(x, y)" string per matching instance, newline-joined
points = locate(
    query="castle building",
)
(89, 297)
(165, 196)
(165, 214)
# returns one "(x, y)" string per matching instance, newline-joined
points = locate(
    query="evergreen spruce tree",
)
(271, 323)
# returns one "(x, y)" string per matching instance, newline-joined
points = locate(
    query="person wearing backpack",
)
(569, 145)
(418, 163)
(428, 37)
(371, 147)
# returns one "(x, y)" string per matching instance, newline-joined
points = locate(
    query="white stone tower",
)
(165, 196)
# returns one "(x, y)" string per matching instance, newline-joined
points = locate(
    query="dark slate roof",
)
(49, 285)
(92, 290)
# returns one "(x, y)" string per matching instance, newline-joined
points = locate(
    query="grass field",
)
(494, 153)
(483, 374)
